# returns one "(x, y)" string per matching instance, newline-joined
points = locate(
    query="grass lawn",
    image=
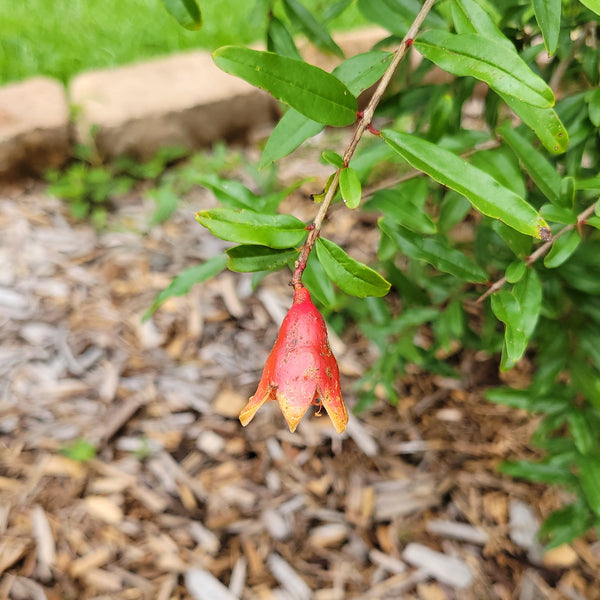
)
(62, 37)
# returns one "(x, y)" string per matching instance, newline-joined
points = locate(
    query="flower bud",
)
(301, 369)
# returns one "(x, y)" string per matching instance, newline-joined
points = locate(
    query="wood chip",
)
(450, 570)
(288, 578)
(46, 547)
(457, 531)
(202, 585)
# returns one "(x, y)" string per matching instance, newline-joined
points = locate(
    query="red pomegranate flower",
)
(301, 369)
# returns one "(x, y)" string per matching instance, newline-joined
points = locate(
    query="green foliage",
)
(186, 12)
(510, 202)
(79, 450)
(90, 187)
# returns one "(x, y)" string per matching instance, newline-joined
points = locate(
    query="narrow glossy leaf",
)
(545, 122)
(520, 244)
(562, 249)
(230, 193)
(348, 274)
(454, 208)
(358, 73)
(547, 14)
(506, 309)
(594, 105)
(515, 271)
(311, 91)
(540, 170)
(565, 524)
(350, 187)
(318, 283)
(397, 15)
(567, 192)
(472, 54)
(581, 431)
(528, 292)
(502, 164)
(187, 12)
(314, 30)
(589, 477)
(184, 282)
(280, 40)
(292, 130)
(333, 158)
(434, 250)
(558, 214)
(485, 193)
(251, 258)
(361, 71)
(471, 17)
(538, 472)
(396, 205)
(248, 227)
(593, 5)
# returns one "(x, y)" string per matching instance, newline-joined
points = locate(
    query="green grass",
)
(60, 38)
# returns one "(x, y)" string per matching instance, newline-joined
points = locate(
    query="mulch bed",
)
(179, 496)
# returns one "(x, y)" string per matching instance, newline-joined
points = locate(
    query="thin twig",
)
(363, 124)
(581, 219)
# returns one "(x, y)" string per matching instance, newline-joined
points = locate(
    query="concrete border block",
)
(34, 127)
(181, 100)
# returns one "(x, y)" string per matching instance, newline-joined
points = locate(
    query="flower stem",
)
(363, 125)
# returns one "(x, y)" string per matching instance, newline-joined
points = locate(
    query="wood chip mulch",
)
(180, 501)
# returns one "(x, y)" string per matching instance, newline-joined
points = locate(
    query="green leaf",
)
(562, 249)
(593, 5)
(589, 478)
(348, 274)
(292, 130)
(187, 12)
(80, 450)
(558, 214)
(361, 71)
(251, 258)
(434, 250)
(333, 158)
(184, 282)
(594, 105)
(581, 431)
(566, 524)
(515, 271)
(537, 472)
(397, 15)
(313, 92)
(520, 244)
(318, 283)
(472, 54)
(567, 192)
(528, 292)
(469, 17)
(350, 187)
(453, 210)
(230, 193)
(248, 227)
(397, 205)
(545, 122)
(519, 311)
(315, 32)
(547, 14)
(357, 73)
(279, 39)
(485, 193)
(166, 201)
(540, 170)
